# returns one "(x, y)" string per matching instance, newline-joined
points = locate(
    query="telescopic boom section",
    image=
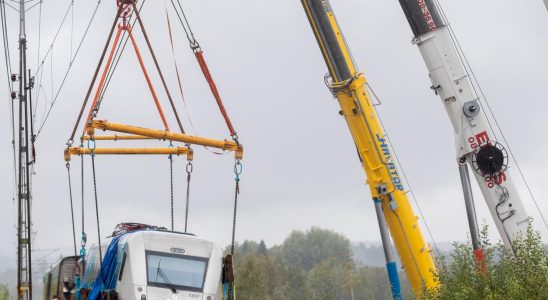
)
(476, 144)
(382, 176)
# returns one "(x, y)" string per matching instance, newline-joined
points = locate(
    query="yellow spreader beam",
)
(167, 135)
(139, 133)
(116, 137)
(129, 151)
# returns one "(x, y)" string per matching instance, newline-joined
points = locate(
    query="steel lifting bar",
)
(116, 137)
(128, 151)
(168, 135)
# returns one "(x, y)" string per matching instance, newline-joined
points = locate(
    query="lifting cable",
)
(118, 55)
(198, 53)
(238, 168)
(186, 26)
(189, 169)
(205, 70)
(138, 15)
(95, 106)
(228, 261)
(91, 146)
(108, 73)
(97, 69)
(71, 208)
(170, 157)
(179, 81)
(84, 238)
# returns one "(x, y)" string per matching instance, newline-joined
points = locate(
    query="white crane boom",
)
(475, 141)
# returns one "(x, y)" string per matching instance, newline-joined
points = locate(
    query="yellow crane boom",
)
(387, 190)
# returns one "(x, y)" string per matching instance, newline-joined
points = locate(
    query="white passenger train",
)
(144, 263)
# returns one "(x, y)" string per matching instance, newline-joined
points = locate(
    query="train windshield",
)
(176, 272)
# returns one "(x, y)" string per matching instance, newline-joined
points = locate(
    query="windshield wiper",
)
(164, 277)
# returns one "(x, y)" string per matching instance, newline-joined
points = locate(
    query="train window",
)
(176, 272)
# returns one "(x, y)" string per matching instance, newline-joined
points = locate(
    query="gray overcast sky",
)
(300, 166)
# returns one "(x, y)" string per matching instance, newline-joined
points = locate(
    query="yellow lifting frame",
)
(116, 137)
(129, 151)
(225, 145)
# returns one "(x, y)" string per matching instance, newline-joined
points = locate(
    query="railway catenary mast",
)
(475, 143)
(24, 266)
(391, 203)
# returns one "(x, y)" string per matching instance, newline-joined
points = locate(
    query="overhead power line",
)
(54, 100)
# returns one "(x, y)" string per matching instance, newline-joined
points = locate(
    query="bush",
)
(4, 292)
(506, 274)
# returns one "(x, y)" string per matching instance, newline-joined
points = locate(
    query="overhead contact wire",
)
(54, 100)
(10, 86)
(55, 37)
(37, 95)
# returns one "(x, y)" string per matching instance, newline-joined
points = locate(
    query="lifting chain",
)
(238, 168)
(77, 265)
(84, 238)
(228, 261)
(80, 272)
(170, 157)
(91, 146)
(71, 208)
(189, 169)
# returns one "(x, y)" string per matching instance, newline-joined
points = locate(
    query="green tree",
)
(4, 292)
(296, 284)
(326, 280)
(247, 247)
(262, 250)
(251, 280)
(316, 265)
(518, 274)
(307, 250)
(372, 283)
